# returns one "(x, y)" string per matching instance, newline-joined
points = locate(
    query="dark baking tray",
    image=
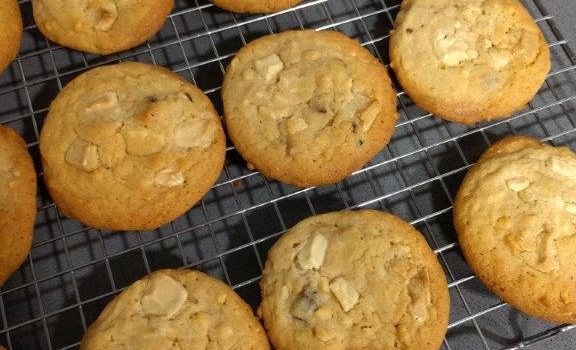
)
(73, 270)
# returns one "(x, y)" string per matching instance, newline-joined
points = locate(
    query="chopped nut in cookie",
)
(306, 304)
(83, 155)
(163, 296)
(312, 254)
(345, 293)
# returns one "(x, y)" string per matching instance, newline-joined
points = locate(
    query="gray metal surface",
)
(73, 271)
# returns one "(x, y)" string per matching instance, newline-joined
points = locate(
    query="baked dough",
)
(130, 147)
(354, 280)
(176, 310)
(468, 61)
(100, 26)
(308, 108)
(17, 202)
(255, 6)
(10, 32)
(515, 215)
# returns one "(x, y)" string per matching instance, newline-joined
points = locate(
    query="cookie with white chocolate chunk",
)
(308, 108)
(10, 32)
(100, 26)
(515, 215)
(176, 309)
(130, 147)
(354, 280)
(255, 6)
(17, 202)
(468, 61)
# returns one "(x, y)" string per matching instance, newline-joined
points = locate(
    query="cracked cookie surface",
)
(255, 6)
(100, 26)
(468, 61)
(17, 202)
(308, 108)
(354, 280)
(179, 310)
(515, 215)
(130, 147)
(10, 32)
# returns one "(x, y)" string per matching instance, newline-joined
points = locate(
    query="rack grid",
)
(73, 271)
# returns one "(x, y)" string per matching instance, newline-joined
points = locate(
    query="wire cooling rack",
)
(74, 271)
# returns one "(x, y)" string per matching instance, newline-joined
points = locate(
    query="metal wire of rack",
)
(73, 271)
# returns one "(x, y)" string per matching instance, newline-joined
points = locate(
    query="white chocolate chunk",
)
(295, 124)
(500, 59)
(517, 184)
(345, 293)
(83, 155)
(194, 133)
(312, 254)
(170, 178)
(141, 141)
(107, 16)
(353, 107)
(269, 66)
(420, 310)
(368, 116)
(562, 167)
(571, 207)
(107, 100)
(419, 291)
(453, 58)
(163, 296)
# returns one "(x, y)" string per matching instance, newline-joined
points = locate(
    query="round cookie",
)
(100, 26)
(17, 202)
(468, 62)
(130, 147)
(308, 108)
(354, 280)
(515, 215)
(10, 32)
(255, 6)
(176, 309)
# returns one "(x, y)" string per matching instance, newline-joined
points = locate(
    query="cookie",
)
(130, 147)
(255, 6)
(515, 215)
(308, 108)
(17, 202)
(10, 32)
(100, 26)
(468, 61)
(354, 280)
(176, 309)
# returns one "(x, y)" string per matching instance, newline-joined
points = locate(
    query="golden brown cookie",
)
(100, 26)
(17, 202)
(354, 280)
(468, 61)
(176, 309)
(308, 108)
(255, 6)
(10, 32)
(130, 147)
(515, 215)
